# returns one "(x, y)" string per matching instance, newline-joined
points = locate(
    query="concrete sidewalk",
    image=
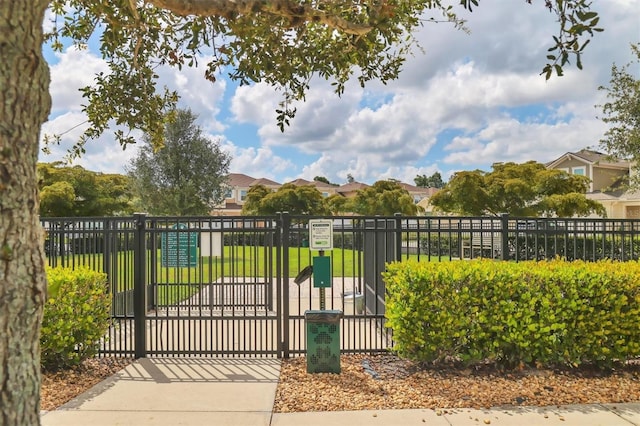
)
(204, 391)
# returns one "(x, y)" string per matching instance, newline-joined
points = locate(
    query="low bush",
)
(76, 316)
(545, 313)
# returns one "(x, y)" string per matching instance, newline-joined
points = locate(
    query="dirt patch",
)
(60, 387)
(387, 382)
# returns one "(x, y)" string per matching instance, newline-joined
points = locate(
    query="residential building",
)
(326, 189)
(350, 189)
(418, 193)
(608, 178)
(238, 185)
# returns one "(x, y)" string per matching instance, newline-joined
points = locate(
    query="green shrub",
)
(536, 313)
(76, 316)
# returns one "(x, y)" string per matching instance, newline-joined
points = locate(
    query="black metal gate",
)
(210, 287)
(220, 286)
(224, 286)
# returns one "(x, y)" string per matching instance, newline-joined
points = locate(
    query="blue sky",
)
(465, 102)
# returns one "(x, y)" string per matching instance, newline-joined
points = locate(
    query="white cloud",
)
(203, 97)
(75, 68)
(102, 154)
(511, 140)
(249, 160)
(255, 104)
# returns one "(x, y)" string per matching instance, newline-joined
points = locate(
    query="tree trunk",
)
(24, 106)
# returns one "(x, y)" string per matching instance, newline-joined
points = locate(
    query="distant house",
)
(418, 193)
(608, 181)
(326, 189)
(238, 185)
(424, 202)
(350, 189)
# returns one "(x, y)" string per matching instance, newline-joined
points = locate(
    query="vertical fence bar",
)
(139, 290)
(153, 271)
(504, 251)
(283, 247)
(107, 248)
(398, 235)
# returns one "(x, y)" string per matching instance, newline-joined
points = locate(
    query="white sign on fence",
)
(321, 234)
(211, 242)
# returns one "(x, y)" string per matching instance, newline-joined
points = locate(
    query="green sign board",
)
(179, 249)
(321, 271)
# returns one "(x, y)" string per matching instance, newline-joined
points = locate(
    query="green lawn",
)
(178, 283)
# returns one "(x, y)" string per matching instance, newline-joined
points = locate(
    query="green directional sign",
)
(179, 249)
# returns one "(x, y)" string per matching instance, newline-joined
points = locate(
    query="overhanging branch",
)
(291, 9)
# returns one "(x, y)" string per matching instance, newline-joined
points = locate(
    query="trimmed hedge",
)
(544, 313)
(76, 316)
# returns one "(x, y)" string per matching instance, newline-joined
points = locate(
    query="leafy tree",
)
(74, 191)
(186, 177)
(527, 189)
(350, 178)
(254, 197)
(281, 42)
(622, 112)
(384, 198)
(303, 199)
(337, 204)
(433, 181)
(57, 200)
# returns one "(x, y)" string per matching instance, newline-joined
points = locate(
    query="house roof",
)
(319, 184)
(412, 189)
(630, 195)
(240, 180)
(301, 182)
(591, 157)
(265, 182)
(351, 187)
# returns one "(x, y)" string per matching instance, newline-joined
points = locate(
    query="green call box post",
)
(321, 238)
(323, 326)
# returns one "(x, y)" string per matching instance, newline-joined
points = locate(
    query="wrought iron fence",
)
(224, 286)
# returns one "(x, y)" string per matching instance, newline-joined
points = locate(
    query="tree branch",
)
(291, 9)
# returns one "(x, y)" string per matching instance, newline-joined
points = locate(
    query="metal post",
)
(106, 248)
(398, 237)
(284, 246)
(323, 302)
(504, 252)
(152, 296)
(139, 284)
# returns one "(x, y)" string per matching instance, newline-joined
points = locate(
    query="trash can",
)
(323, 341)
(353, 303)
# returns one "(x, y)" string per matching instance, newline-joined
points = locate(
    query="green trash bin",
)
(323, 341)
